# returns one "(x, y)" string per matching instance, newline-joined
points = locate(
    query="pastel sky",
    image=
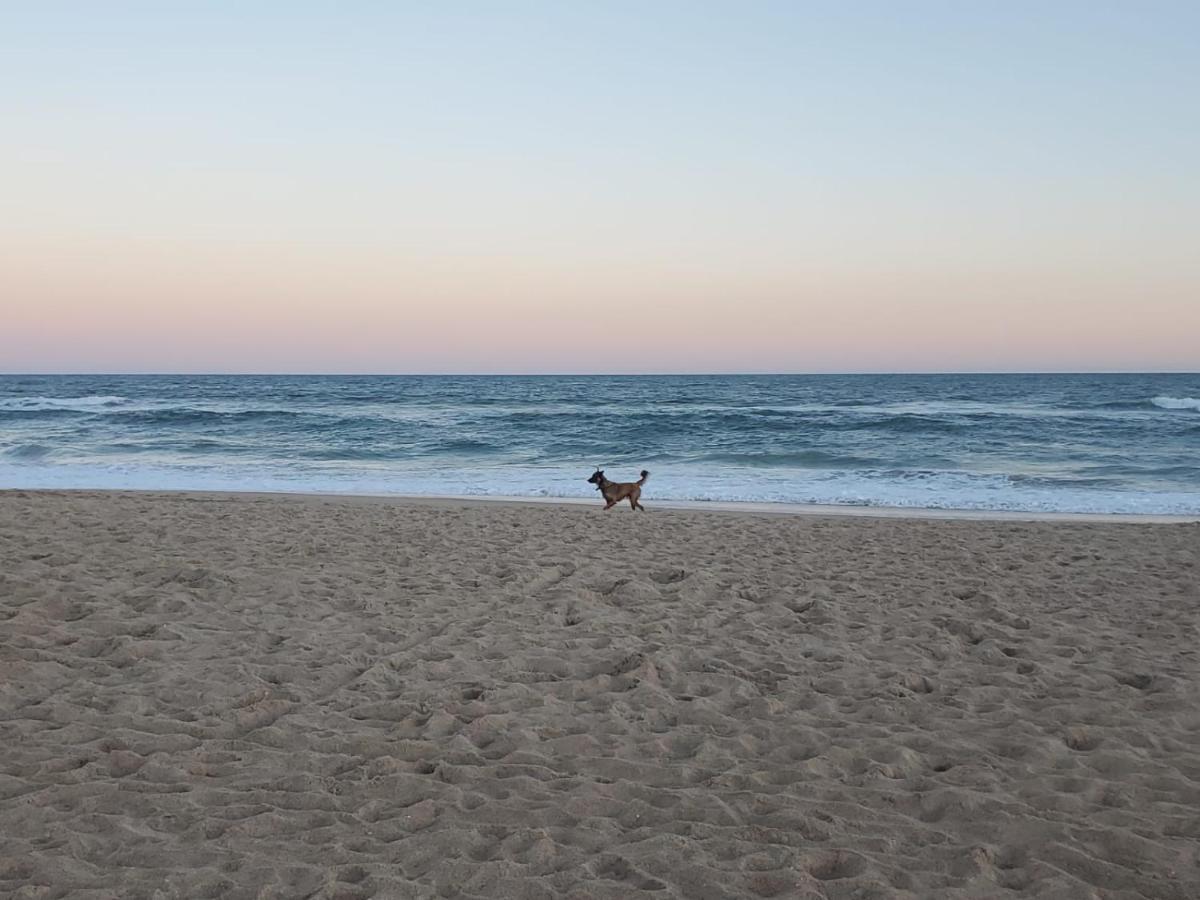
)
(599, 187)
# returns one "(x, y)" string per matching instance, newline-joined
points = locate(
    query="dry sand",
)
(215, 696)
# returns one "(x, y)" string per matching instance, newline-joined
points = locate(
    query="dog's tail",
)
(645, 475)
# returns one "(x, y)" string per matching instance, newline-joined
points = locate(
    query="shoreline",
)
(718, 506)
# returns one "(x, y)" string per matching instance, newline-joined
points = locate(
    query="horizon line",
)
(697, 374)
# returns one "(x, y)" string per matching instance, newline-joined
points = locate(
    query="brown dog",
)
(614, 492)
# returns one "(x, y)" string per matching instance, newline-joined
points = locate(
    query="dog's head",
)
(597, 477)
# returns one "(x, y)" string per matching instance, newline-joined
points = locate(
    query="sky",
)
(599, 187)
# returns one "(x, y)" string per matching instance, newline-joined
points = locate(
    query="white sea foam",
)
(1177, 403)
(95, 401)
(930, 490)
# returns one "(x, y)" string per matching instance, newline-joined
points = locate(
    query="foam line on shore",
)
(717, 506)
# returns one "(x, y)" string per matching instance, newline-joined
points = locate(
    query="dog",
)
(614, 492)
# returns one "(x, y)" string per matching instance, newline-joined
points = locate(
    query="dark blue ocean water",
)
(1082, 443)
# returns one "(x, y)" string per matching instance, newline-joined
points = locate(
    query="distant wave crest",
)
(1177, 403)
(80, 404)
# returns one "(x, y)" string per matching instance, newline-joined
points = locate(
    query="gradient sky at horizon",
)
(611, 187)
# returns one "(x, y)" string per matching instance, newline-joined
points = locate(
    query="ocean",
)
(1064, 443)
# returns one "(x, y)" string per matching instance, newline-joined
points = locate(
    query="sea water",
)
(1065, 443)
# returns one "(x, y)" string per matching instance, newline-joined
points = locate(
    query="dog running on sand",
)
(616, 491)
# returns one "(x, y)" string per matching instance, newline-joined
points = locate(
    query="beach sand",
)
(248, 696)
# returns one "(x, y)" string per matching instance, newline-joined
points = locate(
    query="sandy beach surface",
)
(248, 696)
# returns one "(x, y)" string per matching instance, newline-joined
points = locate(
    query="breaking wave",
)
(1192, 403)
(79, 404)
